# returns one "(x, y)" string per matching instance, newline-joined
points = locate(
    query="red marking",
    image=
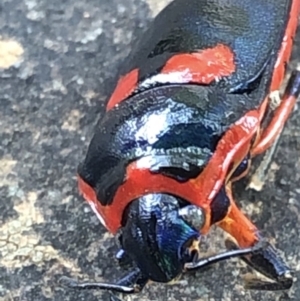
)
(286, 47)
(234, 145)
(126, 86)
(139, 182)
(201, 67)
(89, 195)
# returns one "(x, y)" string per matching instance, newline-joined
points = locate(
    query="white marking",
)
(92, 204)
(173, 77)
(145, 162)
(275, 99)
(152, 128)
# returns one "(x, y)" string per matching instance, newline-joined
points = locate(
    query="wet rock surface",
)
(57, 62)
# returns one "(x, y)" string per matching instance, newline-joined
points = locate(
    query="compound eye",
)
(193, 216)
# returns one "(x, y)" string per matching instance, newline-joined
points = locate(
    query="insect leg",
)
(269, 263)
(281, 115)
(132, 283)
(204, 262)
(266, 261)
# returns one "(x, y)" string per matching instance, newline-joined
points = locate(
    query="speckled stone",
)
(57, 62)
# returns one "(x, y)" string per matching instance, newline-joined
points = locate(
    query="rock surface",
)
(57, 59)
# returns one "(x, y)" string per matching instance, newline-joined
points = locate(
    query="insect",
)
(191, 109)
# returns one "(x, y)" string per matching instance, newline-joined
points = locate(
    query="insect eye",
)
(193, 216)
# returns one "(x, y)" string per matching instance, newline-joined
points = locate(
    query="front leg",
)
(269, 263)
(207, 261)
(132, 283)
(266, 261)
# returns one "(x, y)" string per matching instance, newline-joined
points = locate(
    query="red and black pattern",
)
(184, 121)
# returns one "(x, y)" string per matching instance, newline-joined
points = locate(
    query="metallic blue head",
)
(160, 234)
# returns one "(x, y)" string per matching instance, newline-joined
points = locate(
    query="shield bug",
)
(183, 123)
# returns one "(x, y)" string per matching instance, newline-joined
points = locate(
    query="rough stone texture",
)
(63, 57)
